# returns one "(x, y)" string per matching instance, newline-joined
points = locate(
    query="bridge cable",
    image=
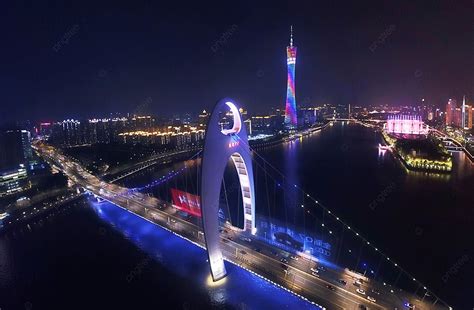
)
(252, 150)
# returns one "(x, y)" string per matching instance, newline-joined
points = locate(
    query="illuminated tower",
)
(290, 112)
(450, 110)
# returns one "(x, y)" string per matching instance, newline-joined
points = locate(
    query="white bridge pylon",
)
(219, 147)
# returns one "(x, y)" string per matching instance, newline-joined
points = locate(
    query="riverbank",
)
(420, 154)
(26, 215)
(275, 140)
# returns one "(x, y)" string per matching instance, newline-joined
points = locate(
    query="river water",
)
(423, 221)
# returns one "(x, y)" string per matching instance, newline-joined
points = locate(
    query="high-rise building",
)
(306, 117)
(463, 113)
(45, 129)
(203, 118)
(466, 115)
(15, 148)
(470, 116)
(457, 117)
(66, 132)
(291, 120)
(26, 145)
(450, 111)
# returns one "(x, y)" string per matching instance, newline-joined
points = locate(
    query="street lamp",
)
(365, 270)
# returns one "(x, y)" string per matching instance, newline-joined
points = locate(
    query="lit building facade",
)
(203, 118)
(176, 137)
(450, 111)
(460, 117)
(26, 144)
(406, 124)
(13, 181)
(470, 114)
(291, 120)
(15, 148)
(307, 117)
(45, 129)
(466, 115)
(106, 130)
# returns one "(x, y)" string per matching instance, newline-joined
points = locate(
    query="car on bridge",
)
(342, 282)
(294, 257)
(357, 282)
(360, 291)
(330, 287)
(246, 239)
(316, 274)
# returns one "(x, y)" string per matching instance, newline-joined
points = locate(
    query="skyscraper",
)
(290, 110)
(463, 113)
(26, 144)
(450, 110)
(15, 148)
(470, 113)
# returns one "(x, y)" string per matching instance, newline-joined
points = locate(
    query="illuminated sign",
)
(233, 144)
(186, 202)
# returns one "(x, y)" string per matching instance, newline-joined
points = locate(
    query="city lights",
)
(120, 138)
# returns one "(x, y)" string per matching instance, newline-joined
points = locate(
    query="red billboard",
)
(186, 202)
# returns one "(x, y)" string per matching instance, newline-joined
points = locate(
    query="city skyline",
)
(186, 156)
(362, 60)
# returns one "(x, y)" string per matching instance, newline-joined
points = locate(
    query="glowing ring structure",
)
(220, 145)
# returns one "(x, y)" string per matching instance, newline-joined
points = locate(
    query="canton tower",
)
(290, 111)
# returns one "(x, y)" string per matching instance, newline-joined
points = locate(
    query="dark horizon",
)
(66, 61)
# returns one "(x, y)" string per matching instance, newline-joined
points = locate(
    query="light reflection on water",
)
(240, 289)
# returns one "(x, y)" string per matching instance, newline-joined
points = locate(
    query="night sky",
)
(62, 60)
